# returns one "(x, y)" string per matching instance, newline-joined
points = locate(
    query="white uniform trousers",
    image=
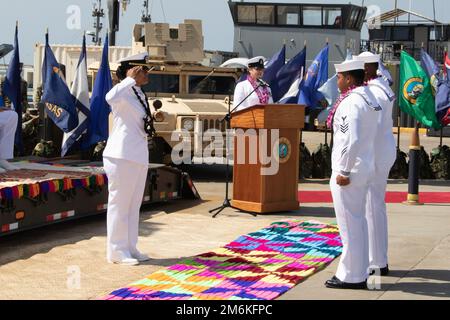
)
(349, 205)
(8, 125)
(377, 218)
(126, 184)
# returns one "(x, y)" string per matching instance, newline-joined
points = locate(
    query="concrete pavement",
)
(46, 263)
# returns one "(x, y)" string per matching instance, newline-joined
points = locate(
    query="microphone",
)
(262, 83)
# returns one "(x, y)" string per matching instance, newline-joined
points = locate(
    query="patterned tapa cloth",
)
(258, 266)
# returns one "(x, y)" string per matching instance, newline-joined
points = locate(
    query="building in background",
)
(399, 29)
(262, 28)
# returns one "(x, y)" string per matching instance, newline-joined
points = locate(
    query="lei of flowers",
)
(342, 96)
(263, 95)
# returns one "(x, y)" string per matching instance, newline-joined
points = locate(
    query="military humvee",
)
(195, 98)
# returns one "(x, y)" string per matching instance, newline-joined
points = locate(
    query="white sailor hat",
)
(368, 57)
(349, 65)
(137, 57)
(256, 62)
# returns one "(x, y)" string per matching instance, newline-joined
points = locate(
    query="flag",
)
(100, 109)
(330, 89)
(288, 76)
(443, 102)
(271, 70)
(59, 102)
(443, 95)
(80, 92)
(446, 65)
(12, 89)
(316, 76)
(415, 96)
(274, 65)
(431, 68)
(292, 95)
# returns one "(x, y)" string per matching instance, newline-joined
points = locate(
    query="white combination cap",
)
(349, 66)
(256, 62)
(137, 57)
(368, 57)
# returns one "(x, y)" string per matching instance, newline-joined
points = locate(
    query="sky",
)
(35, 16)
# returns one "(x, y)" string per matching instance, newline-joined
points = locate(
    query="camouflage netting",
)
(425, 171)
(322, 162)
(400, 168)
(306, 162)
(45, 149)
(440, 162)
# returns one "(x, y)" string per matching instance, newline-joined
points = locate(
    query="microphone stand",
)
(226, 202)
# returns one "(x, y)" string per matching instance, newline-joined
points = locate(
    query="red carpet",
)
(391, 197)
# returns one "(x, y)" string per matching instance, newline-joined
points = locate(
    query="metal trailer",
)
(163, 184)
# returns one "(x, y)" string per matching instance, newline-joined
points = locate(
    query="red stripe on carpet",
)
(391, 197)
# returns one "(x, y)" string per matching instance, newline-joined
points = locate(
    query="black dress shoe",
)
(338, 284)
(383, 271)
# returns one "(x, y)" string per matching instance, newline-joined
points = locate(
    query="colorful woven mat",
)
(31, 182)
(258, 266)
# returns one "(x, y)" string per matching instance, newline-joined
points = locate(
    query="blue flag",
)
(289, 73)
(272, 68)
(80, 92)
(330, 88)
(59, 102)
(443, 95)
(431, 68)
(274, 65)
(12, 89)
(316, 76)
(100, 109)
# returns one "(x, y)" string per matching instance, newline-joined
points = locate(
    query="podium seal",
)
(284, 150)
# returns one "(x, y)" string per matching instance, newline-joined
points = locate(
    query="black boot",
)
(383, 271)
(338, 284)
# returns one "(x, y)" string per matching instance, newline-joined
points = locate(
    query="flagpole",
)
(398, 115)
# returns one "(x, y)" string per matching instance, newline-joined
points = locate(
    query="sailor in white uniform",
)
(385, 154)
(352, 168)
(125, 160)
(8, 125)
(262, 94)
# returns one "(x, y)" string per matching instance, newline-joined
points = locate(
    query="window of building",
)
(211, 85)
(288, 15)
(401, 34)
(173, 33)
(312, 16)
(246, 14)
(439, 34)
(265, 14)
(380, 34)
(162, 83)
(332, 17)
(353, 21)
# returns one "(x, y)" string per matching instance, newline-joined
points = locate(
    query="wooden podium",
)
(253, 191)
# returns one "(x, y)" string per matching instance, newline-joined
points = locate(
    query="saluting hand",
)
(139, 74)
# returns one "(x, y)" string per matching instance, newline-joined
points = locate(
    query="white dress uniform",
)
(8, 125)
(126, 164)
(385, 154)
(353, 156)
(244, 88)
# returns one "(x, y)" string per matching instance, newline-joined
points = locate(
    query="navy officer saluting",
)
(125, 160)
